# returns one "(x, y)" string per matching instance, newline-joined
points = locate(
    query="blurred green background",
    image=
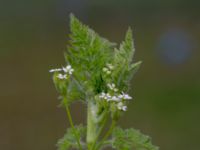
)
(166, 90)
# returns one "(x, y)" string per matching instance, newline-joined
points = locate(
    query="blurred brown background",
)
(166, 90)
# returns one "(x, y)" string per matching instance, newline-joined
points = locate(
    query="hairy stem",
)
(99, 131)
(91, 126)
(108, 133)
(72, 125)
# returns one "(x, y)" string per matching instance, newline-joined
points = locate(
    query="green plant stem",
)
(91, 126)
(72, 125)
(99, 132)
(106, 135)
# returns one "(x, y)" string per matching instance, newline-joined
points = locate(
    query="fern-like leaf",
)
(131, 139)
(69, 141)
(123, 62)
(87, 53)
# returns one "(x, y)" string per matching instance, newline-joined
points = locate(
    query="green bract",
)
(98, 73)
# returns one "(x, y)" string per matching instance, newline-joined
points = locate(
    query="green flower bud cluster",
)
(108, 69)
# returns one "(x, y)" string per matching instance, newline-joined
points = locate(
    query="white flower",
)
(55, 70)
(124, 108)
(115, 98)
(125, 96)
(121, 106)
(120, 96)
(105, 96)
(102, 95)
(68, 69)
(62, 76)
(108, 97)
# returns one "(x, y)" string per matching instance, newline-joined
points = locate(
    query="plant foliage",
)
(69, 140)
(98, 73)
(131, 139)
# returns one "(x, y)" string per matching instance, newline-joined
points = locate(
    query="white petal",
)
(121, 106)
(102, 95)
(126, 96)
(60, 76)
(69, 67)
(114, 98)
(124, 108)
(55, 70)
(120, 96)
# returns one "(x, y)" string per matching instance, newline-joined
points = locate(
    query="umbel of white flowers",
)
(118, 98)
(68, 70)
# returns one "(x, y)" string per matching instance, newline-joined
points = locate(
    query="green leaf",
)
(126, 50)
(87, 53)
(123, 62)
(133, 68)
(131, 139)
(69, 141)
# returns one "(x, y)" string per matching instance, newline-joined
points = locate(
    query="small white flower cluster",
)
(68, 70)
(62, 76)
(121, 106)
(55, 70)
(108, 69)
(116, 97)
